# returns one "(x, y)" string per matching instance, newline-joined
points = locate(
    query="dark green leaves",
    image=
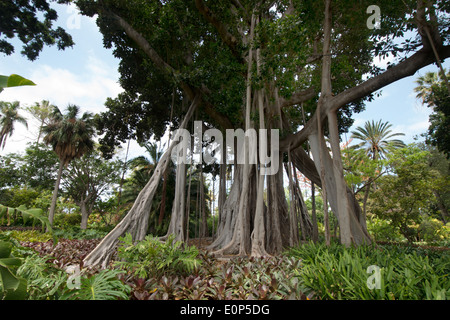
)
(23, 19)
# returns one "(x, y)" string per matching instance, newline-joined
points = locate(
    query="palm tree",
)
(70, 138)
(425, 85)
(41, 111)
(9, 116)
(376, 142)
(376, 139)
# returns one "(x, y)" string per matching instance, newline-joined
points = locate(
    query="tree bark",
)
(136, 220)
(227, 222)
(177, 219)
(84, 214)
(341, 185)
(51, 214)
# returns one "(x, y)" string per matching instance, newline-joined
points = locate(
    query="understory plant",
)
(240, 278)
(337, 272)
(152, 257)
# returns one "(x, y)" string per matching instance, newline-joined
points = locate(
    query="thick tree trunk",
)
(358, 230)
(278, 227)
(227, 221)
(136, 220)
(341, 185)
(177, 219)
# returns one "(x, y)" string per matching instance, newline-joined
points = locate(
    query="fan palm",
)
(9, 116)
(376, 139)
(70, 138)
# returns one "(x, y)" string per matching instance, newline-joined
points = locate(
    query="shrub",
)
(104, 285)
(383, 230)
(432, 230)
(151, 257)
(65, 220)
(78, 233)
(44, 280)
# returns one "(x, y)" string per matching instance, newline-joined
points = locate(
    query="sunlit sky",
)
(87, 74)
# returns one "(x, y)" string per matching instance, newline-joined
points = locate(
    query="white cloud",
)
(88, 89)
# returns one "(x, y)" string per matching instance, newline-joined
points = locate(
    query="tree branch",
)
(225, 35)
(407, 68)
(298, 97)
(160, 63)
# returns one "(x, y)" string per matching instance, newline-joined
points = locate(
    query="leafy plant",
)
(337, 272)
(104, 285)
(34, 214)
(14, 80)
(151, 257)
(44, 280)
(12, 286)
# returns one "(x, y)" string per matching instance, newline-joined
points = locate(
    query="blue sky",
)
(87, 74)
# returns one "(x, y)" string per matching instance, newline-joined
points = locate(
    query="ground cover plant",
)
(406, 272)
(155, 270)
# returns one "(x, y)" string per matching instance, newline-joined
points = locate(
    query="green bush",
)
(337, 272)
(433, 230)
(65, 220)
(152, 257)
(383, 230)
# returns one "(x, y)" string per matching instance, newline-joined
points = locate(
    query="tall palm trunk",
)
(51, 214)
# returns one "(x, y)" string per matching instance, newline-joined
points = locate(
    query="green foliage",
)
(67, 220)
(383, 230)
(14, 80)
(17, 196)
(34, 170)
(103, 285)
(431, 230)
(44, 280)
(402, 195)
(32, 22)
(33, 214)
(11, 286)
(337, 272)
(151, 257)
(433, 91)
(77, 233)
(30, 235)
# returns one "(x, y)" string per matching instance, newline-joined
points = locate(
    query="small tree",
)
(404, 195)
(87, 179)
